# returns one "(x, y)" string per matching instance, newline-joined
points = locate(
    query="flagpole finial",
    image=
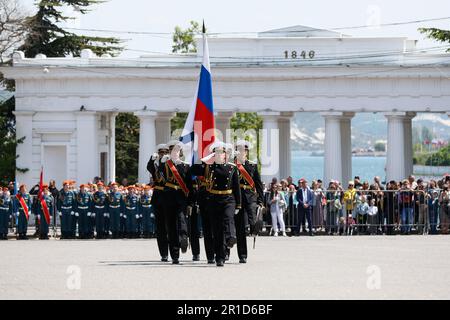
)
(203, 27)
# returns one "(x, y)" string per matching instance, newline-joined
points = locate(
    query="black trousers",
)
(207, 226)
(174, 213)
(249, 207)
(221, 208)
(194, 232)
(241, 237)
(161, 230)
(304, 213)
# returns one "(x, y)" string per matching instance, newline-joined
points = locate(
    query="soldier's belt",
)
(160, 188)
(129, 208)
(173, 186)
(246, 187)
(203, 184)
(66, 208)
(220, 191)
(146, 206)
(2, 208)
(99, 207)
(114, 207)
(83, 208)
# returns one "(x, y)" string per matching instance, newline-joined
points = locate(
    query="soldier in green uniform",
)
(66, 210)
(154, 166)
(131, 212)
(23, 206)
(6, 212)
(115, 209)
(99, 209)
(224, 199)
(44, 225)
(83, 211)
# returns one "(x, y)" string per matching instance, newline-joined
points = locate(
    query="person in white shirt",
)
(372, 217)
(277, 203)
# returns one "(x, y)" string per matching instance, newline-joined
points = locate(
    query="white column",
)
(409, 154)
(346, 142)
(88, 163)
(396, 157)
(270, 152)
(333, 148)
(284, 124)
(147, 142)
(223, 123)
(112, 146)
(162, 124)
(24, 128)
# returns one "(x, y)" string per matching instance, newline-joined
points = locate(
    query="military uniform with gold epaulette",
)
(6, 212)
(84, 209)
(66, 210)
(224, 197)
(131, 214)
(148, 215)
(207, 227)
(175, 205)
(157, 202)
(193, 221)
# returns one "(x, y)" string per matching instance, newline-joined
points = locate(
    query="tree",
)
(12, 28)
(127, 147)
(440, 158)
(45, 36)
(183, 40)
(437, 34)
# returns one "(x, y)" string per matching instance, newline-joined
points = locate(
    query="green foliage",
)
(440, 158)
(437, 34)
(183, 40)
(127, 147)
(177, 122)
(380, 147)
(45, 36)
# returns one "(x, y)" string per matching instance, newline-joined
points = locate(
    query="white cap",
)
(228, 146)
(173, 143)
(162, 146)
(244, 143)
(216, 144)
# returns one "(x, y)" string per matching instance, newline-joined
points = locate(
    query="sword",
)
(258, 224)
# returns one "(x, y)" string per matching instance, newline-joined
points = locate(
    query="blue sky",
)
(257, 15)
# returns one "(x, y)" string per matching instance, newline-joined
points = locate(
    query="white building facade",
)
(66, 107)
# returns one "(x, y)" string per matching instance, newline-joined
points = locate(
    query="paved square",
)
(359, 267)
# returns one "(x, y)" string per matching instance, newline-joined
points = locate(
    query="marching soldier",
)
(23, 204)
(83, 211)
(146, 212)
(224, 199)
(99, 210)
(155, 166)
(66, 211)
(6, 212)
(45, 217)
(177, 193)
(192, 222)
(131, 213)
(252, 196)
(115, 209)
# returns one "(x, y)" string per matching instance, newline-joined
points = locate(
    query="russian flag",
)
(198, 132)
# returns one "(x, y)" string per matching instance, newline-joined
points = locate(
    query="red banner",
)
(41, 198)
(245, 174)
(177, 176)
(23, 204)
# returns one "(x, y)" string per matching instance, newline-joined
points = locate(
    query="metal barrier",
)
(368, 212)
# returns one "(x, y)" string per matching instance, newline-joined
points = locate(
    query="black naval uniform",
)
(224, 196)
(192, 221)
(157, 203)
(207, 227)
(176, 202)
(252, 197)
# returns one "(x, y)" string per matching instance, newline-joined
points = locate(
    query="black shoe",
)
(164, 259)
(211, 261)
(227, 257)
(231, 242)
(184, 244)
(243, 260)
(175, 261)
(219, 263)
(196, 257)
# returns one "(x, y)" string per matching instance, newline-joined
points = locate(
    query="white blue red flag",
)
(198, 133)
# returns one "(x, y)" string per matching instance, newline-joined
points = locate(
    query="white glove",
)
(154, 157)
(137, 216)
(140, 216)
(152, 215)
(92, 215)
(165, 158)
(72, 213)
(60, 213)
(208, 157)
(236, 211)
(125, 216)
(38, 217)
(189, 210)
(121, 215)
(77, 214)
(106, 215)
(88, 214)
